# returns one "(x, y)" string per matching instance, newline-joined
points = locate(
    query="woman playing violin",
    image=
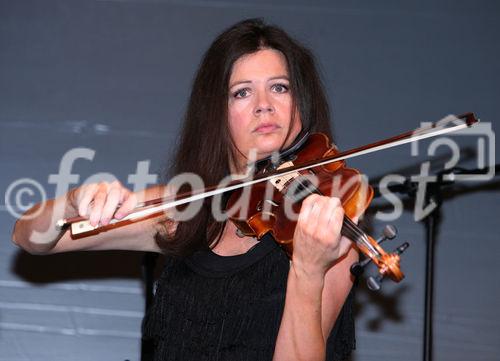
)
(223, 296)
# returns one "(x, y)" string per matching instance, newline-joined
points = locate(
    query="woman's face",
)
(260, 105)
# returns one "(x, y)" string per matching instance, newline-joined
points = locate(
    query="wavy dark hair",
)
(205, 146)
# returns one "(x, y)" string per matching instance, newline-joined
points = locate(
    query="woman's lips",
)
(266, 128)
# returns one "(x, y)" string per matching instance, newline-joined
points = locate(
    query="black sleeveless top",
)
(213, 308)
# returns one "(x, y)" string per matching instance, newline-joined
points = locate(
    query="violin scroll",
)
(387, 263)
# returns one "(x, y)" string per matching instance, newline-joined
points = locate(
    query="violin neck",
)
(352, 231)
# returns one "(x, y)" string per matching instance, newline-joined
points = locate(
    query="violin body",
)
(273, 206)
(267, 212)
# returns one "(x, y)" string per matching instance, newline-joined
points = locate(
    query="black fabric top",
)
(215, 308)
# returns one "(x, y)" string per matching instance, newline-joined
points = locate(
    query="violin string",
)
(351, 231)
(362, 235)
(358, 236)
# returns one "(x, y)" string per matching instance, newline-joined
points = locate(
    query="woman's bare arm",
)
(35, 231)
(318, 282)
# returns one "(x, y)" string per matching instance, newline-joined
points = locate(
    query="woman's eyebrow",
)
(239, 82)
(285, 77)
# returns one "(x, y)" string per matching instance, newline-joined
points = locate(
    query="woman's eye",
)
(280, 88)
(241, 93)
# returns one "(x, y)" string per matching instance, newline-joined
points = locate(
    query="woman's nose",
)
(263, 104)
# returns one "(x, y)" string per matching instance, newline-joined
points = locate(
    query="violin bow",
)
(154, 207)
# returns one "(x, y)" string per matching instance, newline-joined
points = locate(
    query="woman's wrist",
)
(309, 282)
(308, 271)
(70, 203)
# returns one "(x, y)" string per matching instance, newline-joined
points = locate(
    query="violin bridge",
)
(280, 182)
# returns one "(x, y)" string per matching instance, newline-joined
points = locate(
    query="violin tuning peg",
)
(373, 283)
(358, 268)
(390, 232)
(402, 248)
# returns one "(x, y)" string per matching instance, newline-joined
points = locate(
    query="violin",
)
(313, 166)
(270, 206)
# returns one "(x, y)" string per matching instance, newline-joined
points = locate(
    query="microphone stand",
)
(432, 222)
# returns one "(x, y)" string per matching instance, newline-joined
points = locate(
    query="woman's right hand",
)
(36, 232)
(100, 202)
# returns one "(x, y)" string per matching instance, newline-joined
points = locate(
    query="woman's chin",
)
(268, 150)
(270, 143)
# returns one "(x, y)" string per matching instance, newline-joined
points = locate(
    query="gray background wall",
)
(114, 76)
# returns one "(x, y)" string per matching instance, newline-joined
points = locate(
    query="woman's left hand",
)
(318, 243)
(316, 290)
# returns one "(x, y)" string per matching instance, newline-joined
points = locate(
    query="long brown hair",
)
(205, 147)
